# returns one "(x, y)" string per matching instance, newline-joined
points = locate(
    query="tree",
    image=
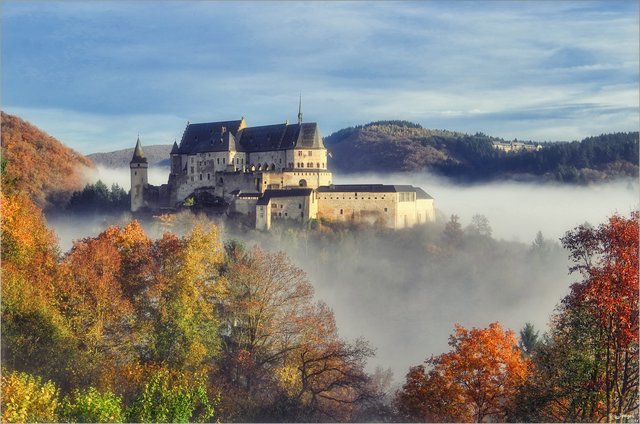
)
(453, 231)
(92, 406)
(282, 357)
(166, 397)
(587, 366)
(26, 398)
(480, 226)
(528, 339)
(478, 380)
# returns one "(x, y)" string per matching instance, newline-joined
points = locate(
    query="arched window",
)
(302, 183)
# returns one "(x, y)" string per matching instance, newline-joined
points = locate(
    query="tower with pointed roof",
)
(139, 181)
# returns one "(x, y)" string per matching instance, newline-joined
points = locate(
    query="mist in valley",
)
(403, 291)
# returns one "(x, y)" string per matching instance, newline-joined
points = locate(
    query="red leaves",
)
(608, 258)
(478, 379)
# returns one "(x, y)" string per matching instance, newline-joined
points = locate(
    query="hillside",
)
(39, 164)
(157, 155)
(401, 146)
(397, 146)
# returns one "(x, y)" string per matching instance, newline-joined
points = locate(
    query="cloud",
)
(437, 63)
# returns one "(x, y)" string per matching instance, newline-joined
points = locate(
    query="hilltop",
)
(398, 146)
(401, 146)
(156, 154)
(39, 164)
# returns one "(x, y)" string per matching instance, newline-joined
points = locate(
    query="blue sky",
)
(96, 74)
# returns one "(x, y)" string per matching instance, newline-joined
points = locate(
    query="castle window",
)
(286, 214)
(341, 211)
(221, 181)
(223, 161)
(192, 170)
(299, 152)
(200, 177)
(317, 165)
(192, 178)
(323, 164)
(299, 205)
(385, 209)
(218, 159)
(310, 152)
(135, 172)
(208, 176)
(281, 206)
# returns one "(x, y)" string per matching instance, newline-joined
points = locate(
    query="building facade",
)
(273, 172)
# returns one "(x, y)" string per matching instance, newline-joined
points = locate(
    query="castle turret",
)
(176, 162)
(138, 166)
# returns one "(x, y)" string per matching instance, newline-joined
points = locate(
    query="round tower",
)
(138, 166)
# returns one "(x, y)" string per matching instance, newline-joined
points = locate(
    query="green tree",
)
(165, 399)
(528, 339)
(92, 406)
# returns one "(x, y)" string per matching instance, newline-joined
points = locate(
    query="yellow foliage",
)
(26, 399)
(289, 379)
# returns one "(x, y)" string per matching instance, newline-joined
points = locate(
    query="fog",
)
(403, 292)
(122, 176)
(517, 211)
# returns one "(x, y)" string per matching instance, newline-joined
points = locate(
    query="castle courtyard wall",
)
(367, 207)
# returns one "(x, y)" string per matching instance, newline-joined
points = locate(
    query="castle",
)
(269, 173)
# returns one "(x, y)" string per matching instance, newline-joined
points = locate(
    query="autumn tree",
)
(282, 356)
(35, 337)
(476, 381)
(587, 367)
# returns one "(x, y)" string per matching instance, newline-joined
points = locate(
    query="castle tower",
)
(138, 166)
(176, 162)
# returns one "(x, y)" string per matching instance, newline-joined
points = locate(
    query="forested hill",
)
(157, 155)
(40, 165)
(395, 146)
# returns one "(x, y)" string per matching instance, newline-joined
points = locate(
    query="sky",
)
(97, 74)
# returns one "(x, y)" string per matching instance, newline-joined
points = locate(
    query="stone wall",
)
(372, 208)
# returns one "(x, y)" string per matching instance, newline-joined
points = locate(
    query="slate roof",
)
(365, 188)
(421, 194)
(208, 137)
(374, 188)
(278, 193)
(229, 135)
(138, 154)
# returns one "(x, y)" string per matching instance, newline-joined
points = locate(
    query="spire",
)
(174, 149)
(138, 154)
(300, 110)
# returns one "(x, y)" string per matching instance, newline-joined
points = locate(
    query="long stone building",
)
(273, 172)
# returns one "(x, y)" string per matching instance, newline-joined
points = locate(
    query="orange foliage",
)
(41, 165)
(29, 253)
(478, 380)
